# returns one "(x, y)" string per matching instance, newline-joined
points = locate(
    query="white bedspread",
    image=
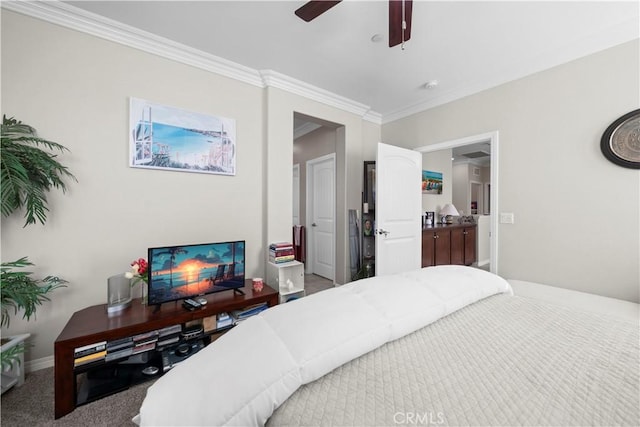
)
(503, 361)
(241, 378)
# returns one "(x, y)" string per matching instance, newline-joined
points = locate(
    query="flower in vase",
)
(138, 272)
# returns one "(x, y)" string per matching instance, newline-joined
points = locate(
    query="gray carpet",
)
(32, 403)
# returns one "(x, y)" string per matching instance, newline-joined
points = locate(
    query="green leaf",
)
(19, 291)
(27, 172)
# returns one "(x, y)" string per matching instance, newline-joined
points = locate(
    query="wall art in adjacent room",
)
(431, 182)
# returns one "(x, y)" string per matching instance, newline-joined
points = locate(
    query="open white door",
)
(398, 210)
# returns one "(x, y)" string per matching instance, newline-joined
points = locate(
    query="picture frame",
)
(431, 182)
(168, 138)
(429, 218)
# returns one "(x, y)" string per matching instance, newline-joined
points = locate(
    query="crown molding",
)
(68, 16)
(306, 128)
(281, 81)
(77, 19)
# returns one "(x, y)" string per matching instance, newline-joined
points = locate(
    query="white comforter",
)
(241, 378)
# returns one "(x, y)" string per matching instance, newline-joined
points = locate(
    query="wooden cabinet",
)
(463, 245)
(436, 247)
(449, 244)
(93, 324)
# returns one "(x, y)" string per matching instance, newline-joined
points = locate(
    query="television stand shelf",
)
(93, 324)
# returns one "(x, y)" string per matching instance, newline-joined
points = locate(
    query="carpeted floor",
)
(32, 403)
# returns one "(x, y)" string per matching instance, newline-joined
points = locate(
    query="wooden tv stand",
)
(93, 324)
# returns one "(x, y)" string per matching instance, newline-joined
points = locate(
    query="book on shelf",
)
(89, 358)
(118, 354)
(281, 250)
(281, 259)
(119, 344)
(145, 337)
(281, 254)
(146, 346)
(281, 245)
(246, 312)
(170, 330)
(168, 340)
(89, 349)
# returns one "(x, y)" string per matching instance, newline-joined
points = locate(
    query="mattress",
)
(505, 360)
(447, 345)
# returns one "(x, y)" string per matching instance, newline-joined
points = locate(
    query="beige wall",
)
(75, 88)
(552, 175)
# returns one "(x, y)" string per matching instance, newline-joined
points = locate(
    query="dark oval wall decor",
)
(620, 143)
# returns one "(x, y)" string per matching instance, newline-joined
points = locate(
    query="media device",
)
(187, 271)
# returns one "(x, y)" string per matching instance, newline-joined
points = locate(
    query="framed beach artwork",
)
(431, 182)
(167, 138)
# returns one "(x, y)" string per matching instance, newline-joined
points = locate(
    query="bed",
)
(447, 345)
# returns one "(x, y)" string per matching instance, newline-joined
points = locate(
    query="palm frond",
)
(27, 172)
(19, 291)
(11, 357)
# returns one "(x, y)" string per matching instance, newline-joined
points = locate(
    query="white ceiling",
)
(465, 46)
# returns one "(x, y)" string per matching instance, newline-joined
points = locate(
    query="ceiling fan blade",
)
(395, 21)
(312, 9)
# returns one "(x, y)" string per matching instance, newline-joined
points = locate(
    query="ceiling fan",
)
(399, 17)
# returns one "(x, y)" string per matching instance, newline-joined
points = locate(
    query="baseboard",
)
(483, 262)
(37, 364)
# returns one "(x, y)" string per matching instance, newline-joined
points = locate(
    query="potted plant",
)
(27, 173)
(20, 291)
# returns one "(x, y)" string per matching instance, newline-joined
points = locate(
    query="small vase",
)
(143, 293)
(118, 294)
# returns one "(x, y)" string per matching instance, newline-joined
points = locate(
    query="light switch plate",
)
(506, 218)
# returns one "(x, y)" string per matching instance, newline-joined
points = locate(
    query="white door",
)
(398, 210)
(296, 194)
(321, 211)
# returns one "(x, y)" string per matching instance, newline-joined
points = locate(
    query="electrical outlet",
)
(506, 218)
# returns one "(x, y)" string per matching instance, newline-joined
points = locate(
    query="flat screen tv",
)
(180, 272)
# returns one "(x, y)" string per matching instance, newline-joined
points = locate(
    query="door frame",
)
(493, 139)
(310, 255)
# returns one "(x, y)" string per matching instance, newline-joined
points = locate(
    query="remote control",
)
(191, 304)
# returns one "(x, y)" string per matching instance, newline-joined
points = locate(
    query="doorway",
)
(492, 138)
(316, 140)
(321, 212)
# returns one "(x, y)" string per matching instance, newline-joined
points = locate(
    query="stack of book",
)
(240, 315)
(281, 252)
(223, 320)
(169, 335)
(118, 349)
(145, 342)
(89, 353)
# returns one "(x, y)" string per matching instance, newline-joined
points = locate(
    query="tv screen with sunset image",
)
(180, 272)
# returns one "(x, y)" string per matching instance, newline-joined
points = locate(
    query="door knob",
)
(314, 225)
(383, 232)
